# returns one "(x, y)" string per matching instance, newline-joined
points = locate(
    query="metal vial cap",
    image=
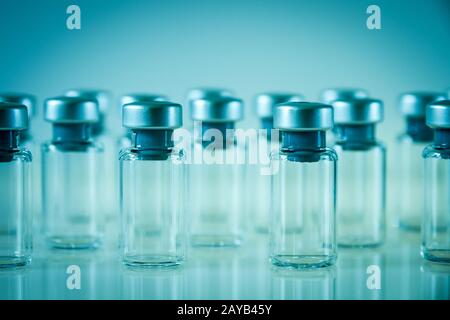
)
(266, 102)
(222, 109)
(102, 97)
(303, 116)
(27, 100)
(329, 95)
(142, 97)
(414, 104)
(208, 93)
(358, 111)
(13, 116)
(438, 114)
(71, 110)
(152, 115)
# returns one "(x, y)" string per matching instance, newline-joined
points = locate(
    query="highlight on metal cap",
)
(358, 111)
(208, 93)
(27, 100)
(102, 97)
(265, 102)
(438, 114)
(329, 95)
(71, 110)
(303, 116)
(414, 104)
(222, 109)
(13, 116)
(142, 97)
(152, 115)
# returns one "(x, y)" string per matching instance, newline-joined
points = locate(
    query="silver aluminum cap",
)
(358, 111)
(223, 109)
(303, 116)
(414, 104)
(208, 93)
(102, 97)
(329, 95)
(142, 97)
(266, 102)
(13, 116)
(152, 115)
(71, 110)
(438, 114)
(27, 100)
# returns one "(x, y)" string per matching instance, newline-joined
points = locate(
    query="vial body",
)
(215, 193)
(71, 174)
(410, 184)
(361, 194)
(15, 208)
(152, 205)
(303, 222)
(436, 218)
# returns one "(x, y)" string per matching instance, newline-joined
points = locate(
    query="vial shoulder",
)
(21, 154)
(436, 152)
(72, 146)
(323, 154)
(132, 154)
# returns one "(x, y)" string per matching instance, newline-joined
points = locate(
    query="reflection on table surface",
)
(242, 273)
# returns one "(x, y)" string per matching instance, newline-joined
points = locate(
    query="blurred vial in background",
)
(436, 218)
(261, 145)
(71, 174)
(303, 222)
(410, 168)
(15, 188)
(152, 184)
(361, 180)
(216, 177)
(105, 136)
(208, 93)
(327, 96)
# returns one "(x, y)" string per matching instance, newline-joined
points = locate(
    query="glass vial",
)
(152, 183)
(15, 183)
(216, 177)
(258, 173)
(303, 227)
(410, 170)
(361, 180)
(71, 174)
(436, 218)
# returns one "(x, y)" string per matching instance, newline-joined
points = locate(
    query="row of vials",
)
(176, 187)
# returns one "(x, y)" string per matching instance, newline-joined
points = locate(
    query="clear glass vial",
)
(410, 145)
(436, 218)
(258, 173)
(216, 178)
(361, 180)
(71, 175)
(15, 191)
(152, 183)
(303, 226)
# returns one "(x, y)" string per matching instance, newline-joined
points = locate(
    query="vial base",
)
(74, 242)
(153, 261)
(216, 240)
(262, 229)
(14, 261)
(436, 255)
(409, 225)
(359, 242)
(303, 261)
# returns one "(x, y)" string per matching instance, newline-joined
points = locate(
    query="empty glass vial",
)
(71, 175)
(258, 168)
(152, 183)
(361, 180)
(436, 218)
(216, 176)
(303, 227)
(410, 170)
(15, 206)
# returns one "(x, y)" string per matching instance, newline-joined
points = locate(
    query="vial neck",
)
(303, 140)
(9, 139)
(201, 133)
(160, 139)
(442, 137)
(418, 130)
(99, 127)
(72, 132)
(267, 124)
(357, 134)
